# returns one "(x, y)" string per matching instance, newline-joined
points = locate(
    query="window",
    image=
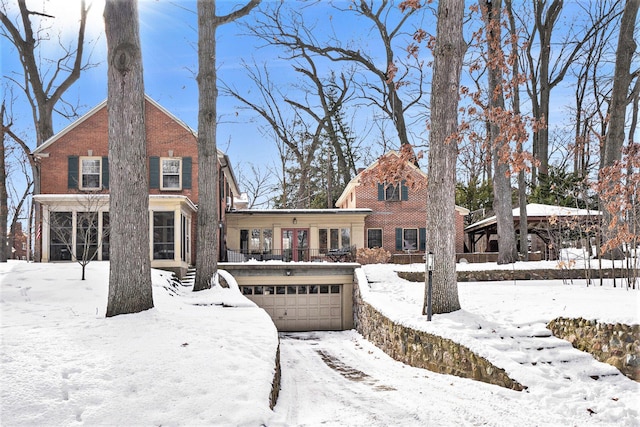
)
(86, 235)
(171, 173)
(256, 241)
(374, 238)
(333, 239)
(163, 235)
(90, 172)
(392, 193)
(409, 239)
(61, 228)
(105, 236)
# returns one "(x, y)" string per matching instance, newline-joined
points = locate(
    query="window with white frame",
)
(171, 174)
(90, 173)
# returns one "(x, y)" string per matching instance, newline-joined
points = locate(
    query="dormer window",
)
(171, 173)
(90, 173)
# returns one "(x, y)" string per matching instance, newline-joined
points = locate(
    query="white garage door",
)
(300, 307)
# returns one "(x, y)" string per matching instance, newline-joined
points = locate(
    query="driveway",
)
(340, 379)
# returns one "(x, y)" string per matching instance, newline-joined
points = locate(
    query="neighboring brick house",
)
(17, 242)
(75, 180)
(399, 212)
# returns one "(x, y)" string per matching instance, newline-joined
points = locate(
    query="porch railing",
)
(346, 254)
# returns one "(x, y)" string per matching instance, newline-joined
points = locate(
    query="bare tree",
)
(258, 183)
(130, 289)
(498, 136)
(296, 137)
(396, 82)
(515, 105)
(4, 208)
(207, 244)
(548, 67)
(448, 52)
(621, 98)
(43, 84)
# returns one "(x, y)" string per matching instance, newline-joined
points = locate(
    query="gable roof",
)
(537, 211)
(222, 157)
(97, 108)
(413, 168)
(355, 181)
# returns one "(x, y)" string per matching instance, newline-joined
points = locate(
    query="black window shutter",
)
(186, 172)
(154, 172)
(398, 239)
(404, 191)
(423, 239)
(72, 178)
(105, 172)
(380, 192)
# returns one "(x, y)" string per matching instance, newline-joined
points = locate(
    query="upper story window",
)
(171, 174)
(393, 192)
(90, 173)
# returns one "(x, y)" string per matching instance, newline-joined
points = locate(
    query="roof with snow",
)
(537, 212)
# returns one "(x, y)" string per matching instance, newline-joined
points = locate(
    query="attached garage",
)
(299, 296)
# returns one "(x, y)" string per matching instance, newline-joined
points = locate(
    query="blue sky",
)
(169, 44)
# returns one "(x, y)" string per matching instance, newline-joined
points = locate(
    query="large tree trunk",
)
(130, 289)
(507, 249)
(443, 151)
(207, 244)
(615, 137)
(207, 234)
(4, 208)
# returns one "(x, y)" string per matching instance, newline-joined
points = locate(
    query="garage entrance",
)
(299, 296)
(300, 307)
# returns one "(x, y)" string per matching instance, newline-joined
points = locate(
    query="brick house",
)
(17, 242)
(75, 188)
(398, 216)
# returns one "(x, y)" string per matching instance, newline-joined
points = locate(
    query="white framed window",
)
(90, 173)
(170, 174)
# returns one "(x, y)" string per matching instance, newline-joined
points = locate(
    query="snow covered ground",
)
(191, 361)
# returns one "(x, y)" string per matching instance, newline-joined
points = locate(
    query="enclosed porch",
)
(295, 235)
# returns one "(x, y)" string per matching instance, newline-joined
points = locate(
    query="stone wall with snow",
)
(616, 344)
(423, 350)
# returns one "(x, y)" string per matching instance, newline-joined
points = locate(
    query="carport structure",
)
(544, 224)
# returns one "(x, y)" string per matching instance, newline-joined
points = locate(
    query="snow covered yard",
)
(189, 361)
(183, 362)
(505, 322)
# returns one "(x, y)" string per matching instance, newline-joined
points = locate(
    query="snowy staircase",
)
(542, 356)
(190, 277)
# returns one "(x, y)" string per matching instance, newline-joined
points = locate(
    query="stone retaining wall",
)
(507, 275)
(424, 350)
(275, 385)
(616, 344)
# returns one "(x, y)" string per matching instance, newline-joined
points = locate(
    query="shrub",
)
(372, 256)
